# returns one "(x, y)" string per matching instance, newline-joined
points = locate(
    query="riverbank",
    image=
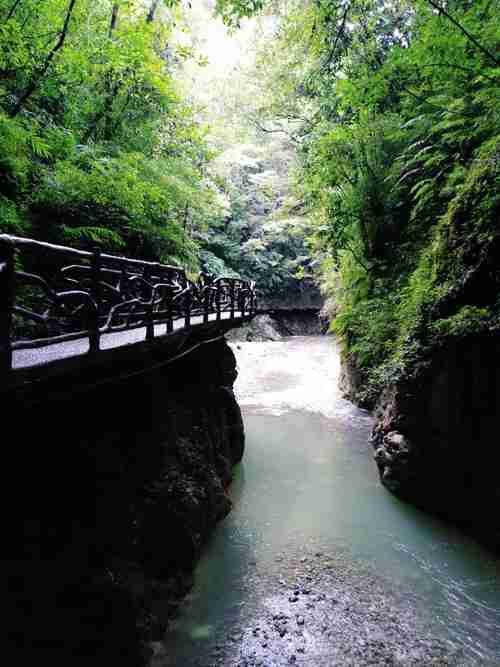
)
(322, 609)
(279, 324)
(434, 436)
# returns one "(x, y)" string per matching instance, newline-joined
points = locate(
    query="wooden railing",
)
(50, 294)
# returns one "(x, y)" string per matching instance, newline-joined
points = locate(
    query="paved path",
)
(74, 348)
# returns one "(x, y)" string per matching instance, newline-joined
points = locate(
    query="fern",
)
(95, 235)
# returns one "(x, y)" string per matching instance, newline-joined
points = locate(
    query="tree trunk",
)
(114, 20)
(152, 11)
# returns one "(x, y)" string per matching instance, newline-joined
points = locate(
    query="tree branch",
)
(470, 37)
(332, 53)
(43, 69)
(277, 130)
(12, 10)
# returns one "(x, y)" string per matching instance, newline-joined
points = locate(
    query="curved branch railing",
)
(51, 293)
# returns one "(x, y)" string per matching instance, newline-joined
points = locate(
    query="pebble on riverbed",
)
(355, 622)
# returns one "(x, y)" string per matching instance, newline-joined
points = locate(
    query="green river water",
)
(308, 486)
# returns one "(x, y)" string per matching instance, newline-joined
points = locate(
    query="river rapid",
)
(317, 564)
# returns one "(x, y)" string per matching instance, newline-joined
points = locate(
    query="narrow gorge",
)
(250, 332)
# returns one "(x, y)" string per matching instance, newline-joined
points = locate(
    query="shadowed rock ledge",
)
(435, 436)
(279, 324)
(121, 486)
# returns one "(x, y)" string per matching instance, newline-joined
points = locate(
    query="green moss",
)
(469, 319)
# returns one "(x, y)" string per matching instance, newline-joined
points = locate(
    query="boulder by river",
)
(435, 434)
(295, 313)
(278, 324)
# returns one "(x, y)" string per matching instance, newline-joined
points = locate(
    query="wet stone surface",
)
(321, 611)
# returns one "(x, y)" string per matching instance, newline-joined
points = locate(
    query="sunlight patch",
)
(202, 632)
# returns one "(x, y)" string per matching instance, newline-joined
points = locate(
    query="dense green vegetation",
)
(390, 109)
(101, 143)
(395, 110)
(260, 233)
(96, 145)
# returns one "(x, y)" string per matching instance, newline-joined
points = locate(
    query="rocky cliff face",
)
(279, 324)
(297, 312)
(304, 295)
(436, 437)
(122, 485)
(352, 382)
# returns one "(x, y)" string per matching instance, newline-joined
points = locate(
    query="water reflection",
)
(220, 589)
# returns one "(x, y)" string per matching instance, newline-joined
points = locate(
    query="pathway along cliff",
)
(317, 564)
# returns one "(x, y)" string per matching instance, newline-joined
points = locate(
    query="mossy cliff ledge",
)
(118, 501)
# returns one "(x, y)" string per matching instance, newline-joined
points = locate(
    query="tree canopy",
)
(393, 108)
(97, 144)
(359, 141)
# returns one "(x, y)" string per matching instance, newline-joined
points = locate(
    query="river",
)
(318, 564)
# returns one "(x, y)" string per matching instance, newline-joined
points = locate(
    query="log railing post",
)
(238, 301)
(187, 310)
(217, 301)
(243, 298)
(149, 315)
(95, 292)
(231, 297)
(170, 321)
(7, 288)
(206, 304)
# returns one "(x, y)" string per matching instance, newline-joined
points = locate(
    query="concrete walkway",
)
(74, 348)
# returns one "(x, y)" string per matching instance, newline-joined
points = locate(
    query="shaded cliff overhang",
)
(304, 295)
(121, 466)
(436, 435)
